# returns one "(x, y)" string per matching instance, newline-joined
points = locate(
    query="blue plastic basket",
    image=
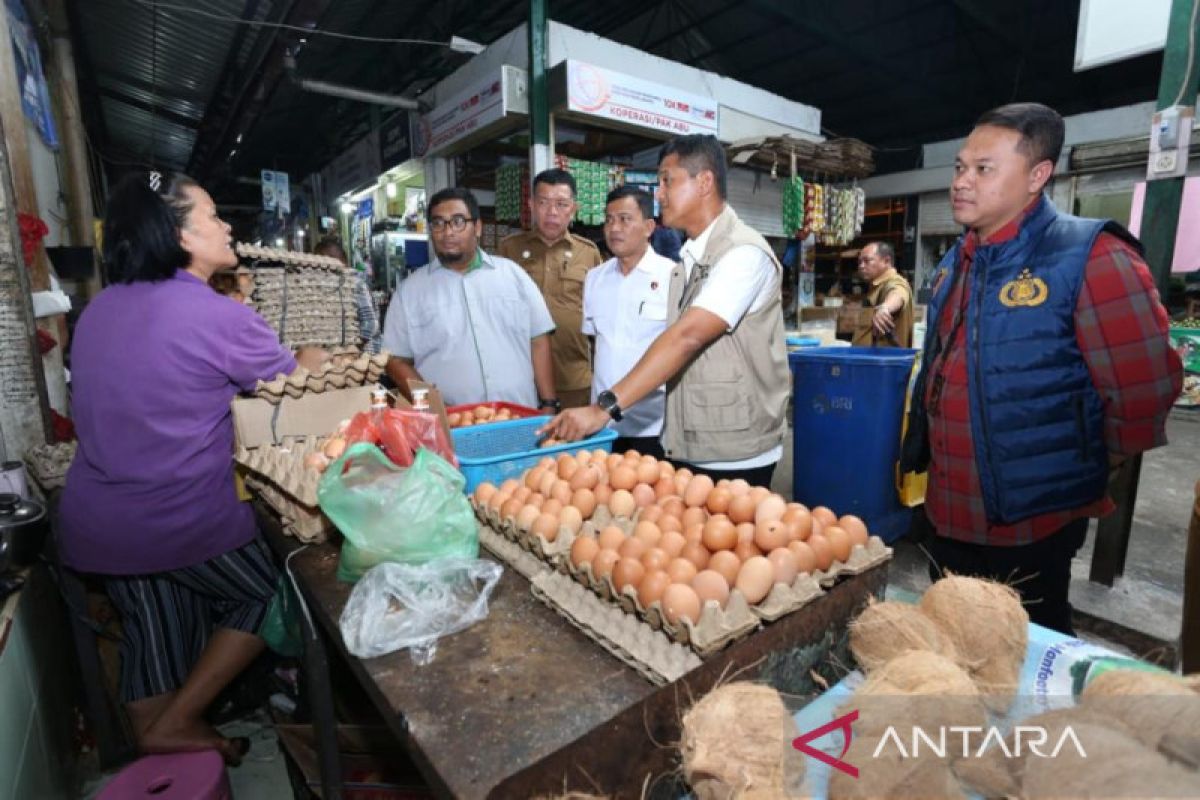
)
(504, 450)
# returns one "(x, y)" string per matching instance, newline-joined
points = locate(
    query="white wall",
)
(50, 187)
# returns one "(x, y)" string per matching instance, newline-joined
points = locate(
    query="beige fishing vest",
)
(730, 402)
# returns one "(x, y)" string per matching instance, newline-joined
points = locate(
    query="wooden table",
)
(523, 703)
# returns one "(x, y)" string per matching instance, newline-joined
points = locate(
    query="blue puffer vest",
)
(1037, 421)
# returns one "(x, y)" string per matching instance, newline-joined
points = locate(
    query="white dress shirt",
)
(626, 313)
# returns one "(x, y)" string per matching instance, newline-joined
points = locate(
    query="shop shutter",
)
(937, 217)
(758, 203)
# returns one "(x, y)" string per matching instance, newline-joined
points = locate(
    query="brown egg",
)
(546, 485)
(623, 477)
(818, 528)
(681, 570)
(698, 490)
(746, 550)
(806, 561)
(799, 521)
(603, 493)
(771, 535)
(655, 558)
(654, 583)
(526, 517)
(739, 487)
(664, 487)
(570, 518)
(696, 553)
(632, 455)
(681, 483)
(722, 484)
(499, 499)
(672, 543)
(741, 509)
(693, 515)
(585, 501)
(611, 538)
(856, 528)
(567, 467)
(622, 504)
(711, 585)
(632, 547)
(727, 563)
(746, 532)
(719, 500)
(510, 485)
(484, 492)
(685, 472)
(649, 459)
(648, 532)
(547, 463)
(584, 457)
(758, 494)
(511, 508)
(647, 473)
(822, 552)
(784, 562)
(673, 506)
(651, 514)
(551, 506)
(615, 460)
(669, 523)
(604, 561)
(599, 455)
(561, 492)
(770, 509)
(546, 526)
(583, 550)
(535, 499)
(839, 543)
(680, 602)
(320, 462)
(755, 579)
(666, 470)
(586, 477)
(523, 493)
(694, 534)
(643, 495)
(719, 534)
(628, 572)
(825, 515)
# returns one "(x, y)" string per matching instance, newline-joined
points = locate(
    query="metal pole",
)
(540, 149)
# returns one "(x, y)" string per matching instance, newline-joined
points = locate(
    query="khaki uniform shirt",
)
(559, 271)
(881, 287)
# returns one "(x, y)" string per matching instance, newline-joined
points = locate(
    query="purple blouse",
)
(154, 367)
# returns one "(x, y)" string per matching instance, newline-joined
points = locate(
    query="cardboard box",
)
(257, 422)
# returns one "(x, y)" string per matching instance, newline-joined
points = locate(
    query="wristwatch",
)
(553, 403)
(608, 401)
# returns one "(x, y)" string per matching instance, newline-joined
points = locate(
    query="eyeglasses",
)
(456, 223)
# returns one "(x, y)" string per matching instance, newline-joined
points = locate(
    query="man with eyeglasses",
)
(888, 318)
(558, 261)
(474, 325)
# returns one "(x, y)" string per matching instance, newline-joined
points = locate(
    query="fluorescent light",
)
(461, 45)
(300, 232)
(279, 242)
(347, 207)
(390, 189)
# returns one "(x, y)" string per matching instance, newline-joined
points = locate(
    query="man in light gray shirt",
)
(473, 324)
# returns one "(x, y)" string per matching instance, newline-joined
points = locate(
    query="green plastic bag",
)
(280, 629)
(389, 513)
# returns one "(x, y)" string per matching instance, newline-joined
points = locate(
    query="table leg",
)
(324, 721)
(1112, 532)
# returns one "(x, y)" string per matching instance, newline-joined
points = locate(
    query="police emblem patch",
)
(1026, 290)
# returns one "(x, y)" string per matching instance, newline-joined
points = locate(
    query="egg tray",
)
(283, 466)
(549, 552)
(862, 558)
(307, 524)
(289, 257)
(362, 371)
(48, 464)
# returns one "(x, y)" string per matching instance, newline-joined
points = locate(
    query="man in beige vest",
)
(888, 318)
(722, 356)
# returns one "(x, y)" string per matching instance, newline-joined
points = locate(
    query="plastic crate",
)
(504, 450)
(518, 411)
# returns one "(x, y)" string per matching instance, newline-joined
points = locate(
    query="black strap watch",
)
(553, 403)
(608, 401)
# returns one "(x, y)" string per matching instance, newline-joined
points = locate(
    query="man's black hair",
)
(645, 201)
(698, 152)
(1041, 128)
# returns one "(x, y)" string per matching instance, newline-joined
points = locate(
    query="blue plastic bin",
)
(503, 450)
(848, 408)
(796, 342)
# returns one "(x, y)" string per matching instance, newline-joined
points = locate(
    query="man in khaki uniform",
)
(558, 261)
(887, 321)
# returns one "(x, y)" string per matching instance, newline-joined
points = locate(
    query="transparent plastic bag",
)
(386, 513)
(395, 606)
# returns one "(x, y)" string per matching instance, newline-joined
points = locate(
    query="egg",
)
(586, 477)
(551, 506)
(647, 473)
(741, 509)
(535, 499)
(632, 455)
(681, 570)
(719, 500)
(770, 509)
(695, 553)
(604, 561)
(655, 558)
(584, 457)
(856, 528)
(648, 532)
(681, 483)
(784, 563)
(685, 472)
(758, 493)
(599, 455)
(694, 534)
(755, 579)
(546, 526)
(839, 543)
(771, 535)
(585, 501)
(523, 493)
(818, 528)
(746, 532)
(526, 517)
(719, 534)
(673, 506)
(632, 547)
(806, 561)
(452, 420)
(547, 463)
(570, 518)
(822, 552)
(665, 470)
(603, 493)
(643, 495)
(611, 538)
(623, 477)
(511, 485)
(799, 521)
(484, 492)
(693, 516)
(567, 466)
(320, 462)
(825, 515)
(583, 550)
(499, 499)
(654, 583)
(628, 572)
(669, 523)
(680, 602)
(664, 487)
(615, 460)
(561, 492)
(711, 585)
(746, 550)
(739, 487)
(547, 483)
(334, 448)
(533, 478)
(726, 563)
(672, 543)
(698, 490)
(722, 484)
(622, 504)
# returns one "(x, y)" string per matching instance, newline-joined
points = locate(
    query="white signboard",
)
(460, 116)
(630, 100)
(1114, 30)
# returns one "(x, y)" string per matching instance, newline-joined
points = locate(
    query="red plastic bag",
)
(400, 433)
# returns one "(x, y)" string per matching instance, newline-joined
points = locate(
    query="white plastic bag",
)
(394, 606)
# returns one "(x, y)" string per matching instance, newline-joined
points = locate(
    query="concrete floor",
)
(1141, 613)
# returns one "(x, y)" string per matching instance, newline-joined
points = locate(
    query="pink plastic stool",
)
(175, 776)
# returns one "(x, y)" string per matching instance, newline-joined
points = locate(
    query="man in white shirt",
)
(471, 323)
(625, 309)
(723, 355)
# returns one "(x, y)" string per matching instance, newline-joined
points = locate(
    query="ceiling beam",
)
(155, 109)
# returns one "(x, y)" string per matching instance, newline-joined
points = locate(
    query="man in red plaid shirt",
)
(1047, 364)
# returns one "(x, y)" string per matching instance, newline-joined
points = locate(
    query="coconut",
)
(737, 743)
(891, 775)
(988, 628)
(1083, 722)
(1160, 710)
(887, 629)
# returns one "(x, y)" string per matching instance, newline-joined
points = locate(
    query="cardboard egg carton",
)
(306, 523)
(862, 558)
(283, 466)
(48, 464)
(364, 370)
(289, 257)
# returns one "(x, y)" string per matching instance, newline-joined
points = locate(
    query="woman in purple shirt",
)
(150, 502)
